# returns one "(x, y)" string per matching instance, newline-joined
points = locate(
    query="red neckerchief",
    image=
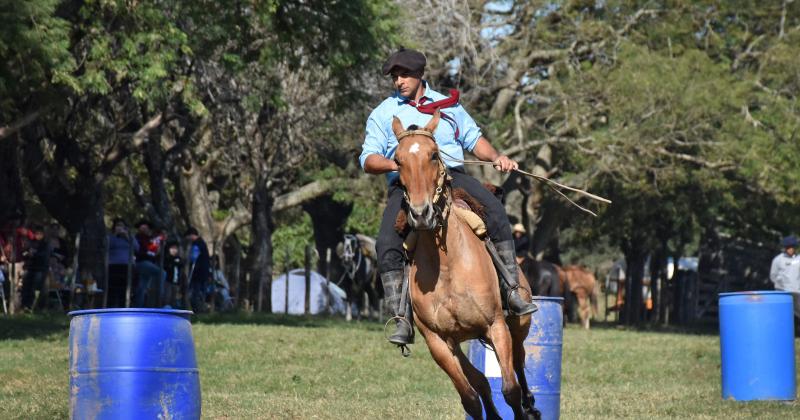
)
(431, 107)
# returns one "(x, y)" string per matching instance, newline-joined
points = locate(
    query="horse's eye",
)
(434, 156)
(397, 161)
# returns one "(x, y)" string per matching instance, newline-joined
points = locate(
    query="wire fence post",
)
(329, 307)
(237, 273)
(105, 274)
(307, 309)
(76, 271)
(12, 283)
(286, 289)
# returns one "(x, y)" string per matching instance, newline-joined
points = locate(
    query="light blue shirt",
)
(380, 138)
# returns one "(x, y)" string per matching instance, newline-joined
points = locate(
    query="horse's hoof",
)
(534, 414)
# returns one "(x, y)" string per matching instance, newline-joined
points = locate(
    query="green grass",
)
(273, 367)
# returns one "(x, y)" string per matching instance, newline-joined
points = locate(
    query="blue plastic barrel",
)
(542, 360)
(132, 364)
(756, 332)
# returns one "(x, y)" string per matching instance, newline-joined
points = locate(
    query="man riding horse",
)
(413, 102)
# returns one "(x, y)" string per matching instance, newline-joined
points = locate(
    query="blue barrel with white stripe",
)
(542, 361)
(756, 338)
(132, 364)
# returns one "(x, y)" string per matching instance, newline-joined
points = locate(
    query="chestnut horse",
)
(581, 283)
(453, 283)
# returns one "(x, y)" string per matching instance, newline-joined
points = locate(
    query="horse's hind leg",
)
(501, 341)
(519, 332)
(479, 383)
(584, 311)
(446, 358)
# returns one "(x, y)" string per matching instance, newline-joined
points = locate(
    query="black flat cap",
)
(411, 60)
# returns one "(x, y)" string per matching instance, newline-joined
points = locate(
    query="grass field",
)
(273, 367)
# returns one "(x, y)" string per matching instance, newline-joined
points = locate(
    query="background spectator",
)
(121, 248)
(14, 241)
(173, 266)
(785, 271)
(149, 274)
(221, 286)
(37, 265)
(200, 269)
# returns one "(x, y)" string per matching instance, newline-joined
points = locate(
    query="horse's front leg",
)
(446, 358)
(501, 341)
(479, 382)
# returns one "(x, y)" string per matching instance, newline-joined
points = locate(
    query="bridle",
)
(350, 252)
(441, 197)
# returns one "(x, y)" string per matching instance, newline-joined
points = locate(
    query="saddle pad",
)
(472, 220)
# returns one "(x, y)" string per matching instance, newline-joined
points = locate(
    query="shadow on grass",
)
(297, 321)
(700, 328)
(20, 327)
(56, 325)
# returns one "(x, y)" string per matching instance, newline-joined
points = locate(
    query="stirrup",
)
(402, 319)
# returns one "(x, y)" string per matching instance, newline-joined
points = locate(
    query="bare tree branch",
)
(19, 124)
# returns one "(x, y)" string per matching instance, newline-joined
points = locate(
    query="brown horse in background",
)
(545, 278)
(582, 284)
(453, 283)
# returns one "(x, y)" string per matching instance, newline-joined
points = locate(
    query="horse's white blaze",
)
(490, 365)
(414, 148)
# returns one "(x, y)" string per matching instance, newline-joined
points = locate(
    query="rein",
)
(553, 185)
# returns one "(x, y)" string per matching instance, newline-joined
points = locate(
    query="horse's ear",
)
(397, 126)
(431, 125)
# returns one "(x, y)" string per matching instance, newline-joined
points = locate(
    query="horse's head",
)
(349, 249)
(422, 171)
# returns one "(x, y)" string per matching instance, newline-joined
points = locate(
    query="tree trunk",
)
(261, 252)
(10, 181)
(656, 268)
(155, 162)
(543, 216)
(328, 218)
(635, 259)
(94, 240)
(546, 230)
(194, 192)
(76, 205)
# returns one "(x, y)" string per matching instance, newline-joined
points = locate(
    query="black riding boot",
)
(509, 284)
(393, 291)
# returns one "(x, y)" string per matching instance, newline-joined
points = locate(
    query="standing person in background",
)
(120, 243)
(37, 265)
(221, 286)
(521, 242)
(148, 272)
(173, 266)
(14, 241)
(200, 269)
(785, 271)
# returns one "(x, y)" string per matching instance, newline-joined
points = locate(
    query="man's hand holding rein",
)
(505, 164)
